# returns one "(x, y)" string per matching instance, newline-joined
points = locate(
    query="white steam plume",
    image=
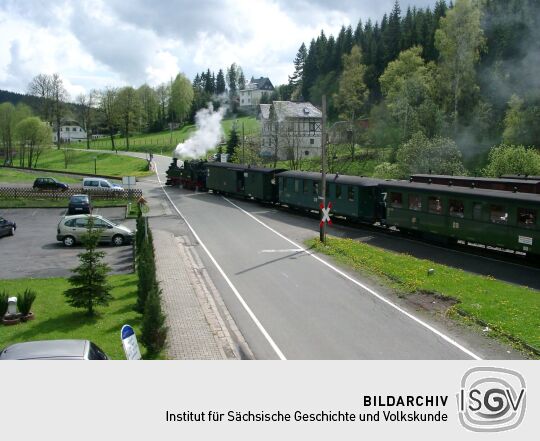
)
(207, 135)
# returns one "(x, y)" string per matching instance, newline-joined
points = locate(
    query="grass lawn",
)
(83, 162)
(55, 319)
(20, 176)
(511, 310)
(60, 202)
(163, 142)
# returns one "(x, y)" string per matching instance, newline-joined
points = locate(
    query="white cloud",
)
(94, 43)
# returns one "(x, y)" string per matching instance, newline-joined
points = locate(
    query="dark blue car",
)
(7, 228)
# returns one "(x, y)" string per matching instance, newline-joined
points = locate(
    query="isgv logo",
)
(491, 399)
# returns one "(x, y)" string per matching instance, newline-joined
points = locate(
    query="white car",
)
(100, 184)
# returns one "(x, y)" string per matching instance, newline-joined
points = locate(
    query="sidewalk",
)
(197, 329)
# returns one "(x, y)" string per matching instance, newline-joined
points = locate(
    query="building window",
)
(350, 193)
(312, 126)
(312, 141)
(527, 217)
(498, 214)
(435, 205)
(456, 208)
(396, 199)
(415, 202)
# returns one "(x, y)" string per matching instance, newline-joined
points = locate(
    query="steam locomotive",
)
(496, 213)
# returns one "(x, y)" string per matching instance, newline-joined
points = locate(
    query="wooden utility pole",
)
(322, 191)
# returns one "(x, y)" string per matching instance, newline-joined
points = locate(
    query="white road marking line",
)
(290, 250)
(233, 288)
(356, 282)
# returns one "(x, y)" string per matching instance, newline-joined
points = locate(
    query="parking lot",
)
(34, 252)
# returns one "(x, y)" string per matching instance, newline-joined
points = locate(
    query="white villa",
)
(252, 94)
(290, 130)
(70, 131)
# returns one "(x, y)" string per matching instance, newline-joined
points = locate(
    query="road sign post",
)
(129, 342)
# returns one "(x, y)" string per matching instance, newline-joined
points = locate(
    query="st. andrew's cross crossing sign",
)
(325, 214)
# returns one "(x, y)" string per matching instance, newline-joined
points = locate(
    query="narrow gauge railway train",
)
(445, 213)
(514, 183)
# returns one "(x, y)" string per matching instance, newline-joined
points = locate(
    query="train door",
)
(240, 182)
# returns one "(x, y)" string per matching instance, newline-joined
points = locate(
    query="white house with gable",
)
(290, 130)
(70, 131)
(252, 94)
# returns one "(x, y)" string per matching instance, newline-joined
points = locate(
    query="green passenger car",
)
(490, 217)
(352, 197)
(242, 180)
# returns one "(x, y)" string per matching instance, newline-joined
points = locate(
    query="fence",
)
(30, 193)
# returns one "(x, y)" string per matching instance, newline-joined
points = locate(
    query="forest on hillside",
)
(465, 71)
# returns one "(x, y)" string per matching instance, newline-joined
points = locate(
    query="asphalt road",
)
(34, 252)
(288, 303)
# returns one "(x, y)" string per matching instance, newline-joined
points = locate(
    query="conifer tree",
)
(220, 83)
(89, 281)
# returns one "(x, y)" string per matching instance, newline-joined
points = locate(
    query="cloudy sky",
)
(96, 43)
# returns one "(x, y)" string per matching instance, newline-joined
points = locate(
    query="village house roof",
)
(262, 83)
(290, 109)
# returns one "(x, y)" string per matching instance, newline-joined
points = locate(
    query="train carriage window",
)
(498, 214)
(456, 208)
(297, 183)
(477, 211)
(434, 205)
(338, 191)
(396, 199)
(415, 202)
(350, 193)
(527, 217)
(315, 189)
(306, 186)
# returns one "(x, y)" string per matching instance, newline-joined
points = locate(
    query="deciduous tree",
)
(33, 135)
(352, 93)
(430, 155)
(512, 159)
(459, 40)
(181, 98)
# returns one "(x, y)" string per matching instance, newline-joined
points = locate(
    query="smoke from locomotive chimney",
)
(207, 135)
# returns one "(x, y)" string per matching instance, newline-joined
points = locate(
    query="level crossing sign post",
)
(325, 214)
(322, 193)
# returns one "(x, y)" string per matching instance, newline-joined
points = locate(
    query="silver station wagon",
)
(71, 229)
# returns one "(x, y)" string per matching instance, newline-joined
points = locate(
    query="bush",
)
(146, 270)
(25, 301)
(4, 296)
(154, 332)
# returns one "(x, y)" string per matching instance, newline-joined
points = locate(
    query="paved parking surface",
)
(34, 251)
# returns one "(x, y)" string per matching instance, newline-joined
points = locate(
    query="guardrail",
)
(31, 193)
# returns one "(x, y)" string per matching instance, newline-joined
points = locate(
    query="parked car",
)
(54, 350)
(49, 184)
(79, 204)
(100, 184)
(72, 228)
(7, 228)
